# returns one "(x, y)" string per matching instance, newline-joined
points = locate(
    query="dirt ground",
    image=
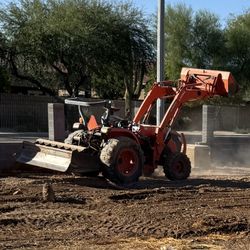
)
(204, 212)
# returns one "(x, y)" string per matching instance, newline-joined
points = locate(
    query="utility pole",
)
(160, 57)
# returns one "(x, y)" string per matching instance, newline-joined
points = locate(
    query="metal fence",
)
(30, 113)
(24, 113)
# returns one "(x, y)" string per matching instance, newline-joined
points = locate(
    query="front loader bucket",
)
(45, 156)
(58, 156)
(225, 85)
(51, 155)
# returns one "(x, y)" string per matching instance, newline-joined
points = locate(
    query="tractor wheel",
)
(177, 167)
(122, 160)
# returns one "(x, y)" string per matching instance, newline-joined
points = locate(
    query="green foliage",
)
(68, 43)
(109, 47)
(178, 23)
(208, 43)
(238, 49)
(109, 86)
(198, 40)
(192, 40)
(4, 80)
(4, 74)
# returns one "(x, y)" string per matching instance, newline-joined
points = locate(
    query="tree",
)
(207, 42)
(4, 80)
(178, 23)
(192, 40)
(68, 43)
(135, 53)
(56, 43)
(238, 48)
(108, 83)
(4, 75)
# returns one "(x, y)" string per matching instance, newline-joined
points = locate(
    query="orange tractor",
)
(124, 150)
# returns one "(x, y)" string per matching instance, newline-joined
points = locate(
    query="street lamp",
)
(160, 57)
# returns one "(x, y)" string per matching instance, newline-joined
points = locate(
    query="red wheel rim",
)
(178, 168)
(127, 162)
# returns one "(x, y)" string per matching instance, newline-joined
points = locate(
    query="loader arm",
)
(198, 84)
(159, 90)
(185, 94)
(195, 84)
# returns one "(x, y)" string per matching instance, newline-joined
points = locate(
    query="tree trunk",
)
(85, 82)
(128, 81)
(128, 105)
(67, 85)
(139, 83)
(30, 79)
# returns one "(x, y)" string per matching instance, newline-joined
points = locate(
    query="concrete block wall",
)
(208, 122)
(199, 156)
(56, 121)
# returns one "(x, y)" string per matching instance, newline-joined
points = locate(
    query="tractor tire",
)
(122, 160)
(177, 167)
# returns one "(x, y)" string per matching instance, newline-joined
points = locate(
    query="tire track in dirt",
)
(99, 213)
